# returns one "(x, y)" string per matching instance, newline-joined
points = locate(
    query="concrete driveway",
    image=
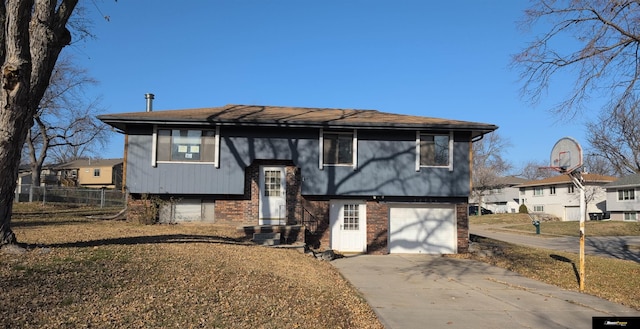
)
(425, 291)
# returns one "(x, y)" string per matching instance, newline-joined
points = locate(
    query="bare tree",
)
(616, 137)
(594, 163)
(33, 35)
(604, 62)
(488, 164)
(65, 120)
(535, 170)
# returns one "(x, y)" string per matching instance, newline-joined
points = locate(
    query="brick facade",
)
(462, 216)
(377, 228)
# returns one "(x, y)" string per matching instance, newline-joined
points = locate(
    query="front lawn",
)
(112, 274)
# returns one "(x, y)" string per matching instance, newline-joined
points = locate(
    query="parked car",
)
(473, 210)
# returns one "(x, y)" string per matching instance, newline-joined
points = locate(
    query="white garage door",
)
(424, 229)
(572, 213)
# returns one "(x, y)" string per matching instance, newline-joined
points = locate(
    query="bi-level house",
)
(356, 180)
(503, 197)
(558, 196)
(623, 198)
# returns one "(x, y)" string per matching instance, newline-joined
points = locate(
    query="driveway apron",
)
(427, 291)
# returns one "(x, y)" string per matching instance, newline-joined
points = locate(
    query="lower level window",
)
(351, 217)
(538, 208)
(632, 216)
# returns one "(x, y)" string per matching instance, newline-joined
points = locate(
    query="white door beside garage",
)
(428, 229)
(348, 220)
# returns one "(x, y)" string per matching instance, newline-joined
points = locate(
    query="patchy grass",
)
(112, 274)
(522, 222)
(611, 279)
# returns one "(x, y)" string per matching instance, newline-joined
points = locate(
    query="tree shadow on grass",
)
(35, 223)
(567, 260)
(153, 239)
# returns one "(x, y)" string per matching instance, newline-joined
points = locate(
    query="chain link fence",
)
(101, 197)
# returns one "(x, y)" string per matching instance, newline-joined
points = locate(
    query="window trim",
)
(216, 148)
(450, 160)
(628, 214)
(538, 191)
(354, 149)
(630, 195)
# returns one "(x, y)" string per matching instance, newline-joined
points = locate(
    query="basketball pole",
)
(576, 177)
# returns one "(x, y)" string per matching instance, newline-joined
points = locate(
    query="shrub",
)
(523, 209)
(145, 210)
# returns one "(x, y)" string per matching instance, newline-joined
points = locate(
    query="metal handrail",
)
(309, 221)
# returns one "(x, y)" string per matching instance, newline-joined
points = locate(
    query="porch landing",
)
(289, 235)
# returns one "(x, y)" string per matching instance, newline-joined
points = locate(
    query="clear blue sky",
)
(446, 59)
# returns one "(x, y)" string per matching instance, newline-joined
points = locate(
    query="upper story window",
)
(338, 148)
(434, 150)
(571, 189)
(552, 190)
(186, 145)
(625, 195)
(538, 191)
(96, 172)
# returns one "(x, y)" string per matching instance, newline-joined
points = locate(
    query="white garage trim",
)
(429, 229)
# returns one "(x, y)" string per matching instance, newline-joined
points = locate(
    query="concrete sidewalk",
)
(425, 291)
(621, 247)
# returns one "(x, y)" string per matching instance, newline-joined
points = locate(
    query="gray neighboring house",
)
(359, 181)
(623, 202)
(504, 197)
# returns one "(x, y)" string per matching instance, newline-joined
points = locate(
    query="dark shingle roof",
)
(626, 181)
(561, 179)
(253, 115)
(81, 163)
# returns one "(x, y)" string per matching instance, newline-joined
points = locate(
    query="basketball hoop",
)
(566, 156)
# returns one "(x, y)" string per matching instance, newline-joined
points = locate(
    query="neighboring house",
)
(48, 176)
(559, 197)
(623, 198)
(92, 173)
(358, 180)
(504, 197)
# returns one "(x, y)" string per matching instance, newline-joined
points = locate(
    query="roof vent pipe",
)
(149, 98)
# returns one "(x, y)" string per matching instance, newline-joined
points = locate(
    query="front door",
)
(273, 203)
(348, 226)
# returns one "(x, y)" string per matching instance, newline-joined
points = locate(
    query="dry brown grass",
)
(612, 279)
(107, 274)
(522, 222)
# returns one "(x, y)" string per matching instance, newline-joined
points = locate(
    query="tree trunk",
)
(34, 34)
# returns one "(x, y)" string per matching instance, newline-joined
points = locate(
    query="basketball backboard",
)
(566, 155)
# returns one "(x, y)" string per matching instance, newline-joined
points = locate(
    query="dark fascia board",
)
(273, 116)
(475, 131)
